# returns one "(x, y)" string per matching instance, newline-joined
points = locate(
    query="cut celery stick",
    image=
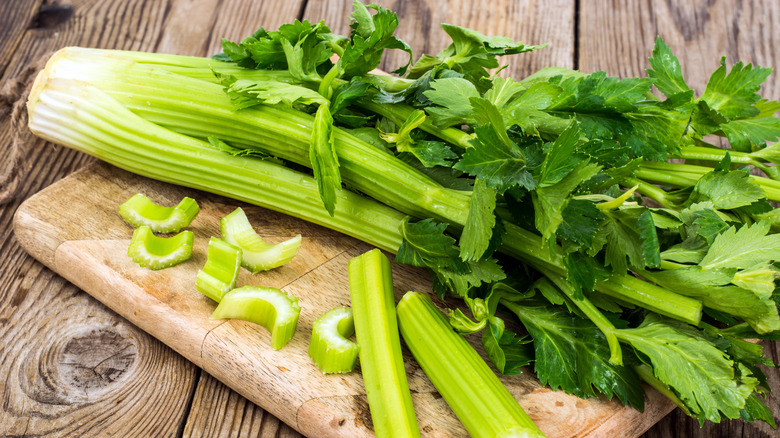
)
(381, 362)
(220, 272)
(329, 348)
(258, 255)
(140, 210)
(267, 306)
(155, 252)
(468, 385)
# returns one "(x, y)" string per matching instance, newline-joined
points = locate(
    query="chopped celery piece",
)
(330, 349)
(467, 384)
(270, 307)
(258, 255)
(381, 362)
(220, 272)
(155, 252)
(140, 210)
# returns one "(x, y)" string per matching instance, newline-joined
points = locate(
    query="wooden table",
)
(47, 324)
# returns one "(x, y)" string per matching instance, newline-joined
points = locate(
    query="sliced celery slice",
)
(258, 255)
(381, 362)
(467, 384)
(330, 349)
(220, 272)
(155, 252)
(140, 210)
(270, 307)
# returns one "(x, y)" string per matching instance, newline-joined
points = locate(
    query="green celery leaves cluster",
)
(579, 163)
(588, 224)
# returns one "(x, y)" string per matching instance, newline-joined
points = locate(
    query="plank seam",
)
(302, 10)
(576, 51)
(188, 406)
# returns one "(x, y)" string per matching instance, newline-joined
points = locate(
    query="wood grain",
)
(15, 17)
(618, 36)
(81, 370)
(218, 411)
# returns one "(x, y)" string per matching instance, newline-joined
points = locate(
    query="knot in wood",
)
(92, 361)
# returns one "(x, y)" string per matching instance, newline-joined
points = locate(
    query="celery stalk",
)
(140, 210)
(267, 306)
(381, 362)
(120, 137)
(153, 252)
(220, 272)
(257, 254)
(468, 385)
(329, 348)
(201, 109)
(74, 114)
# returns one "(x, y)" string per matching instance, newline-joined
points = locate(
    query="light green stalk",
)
(381, 361)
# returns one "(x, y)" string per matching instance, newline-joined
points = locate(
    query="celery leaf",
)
(743, 248)
(500, 165)
(571, 353)
(704, 378)
(452, 97)
(580, 222)
(370, 36)
(666, 71)
(508, 352)
(727, 189)
(324, 161)
(477, 232)
(734, 94)
(747, 135)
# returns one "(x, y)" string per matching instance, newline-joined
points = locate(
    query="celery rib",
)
(381, 361)
(329, 348)
(73, 114)
(220, 272)
(257, 255)
(140, 210)
(155, 253)
(69, 112)
(269, 307)
(467, 384)
(165, 97)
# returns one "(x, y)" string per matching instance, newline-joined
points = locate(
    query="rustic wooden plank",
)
(80, 370)
(618, 36)
(218, 411)
(196, 27)
(532, 22)
(15, 17)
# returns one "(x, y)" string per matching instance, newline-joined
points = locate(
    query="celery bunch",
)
(471, 175)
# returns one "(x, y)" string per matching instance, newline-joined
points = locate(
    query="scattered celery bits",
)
(258, 255)
(140, 210)
(220, 272)
(330, 349)
(270, 307)
(155, 252)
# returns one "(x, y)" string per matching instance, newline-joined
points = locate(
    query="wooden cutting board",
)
(73, 228)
